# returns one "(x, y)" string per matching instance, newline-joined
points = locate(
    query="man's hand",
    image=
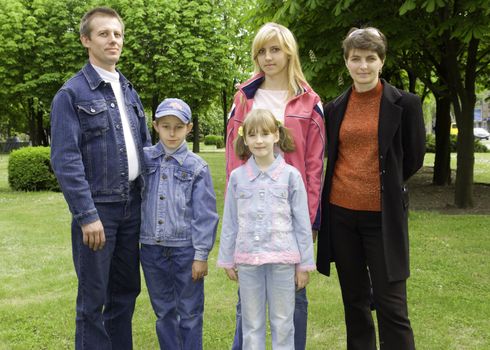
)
(199, 269)
(301, 279)
(232, 274)
(93, 235)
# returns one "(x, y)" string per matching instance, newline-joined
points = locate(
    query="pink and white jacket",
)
(304, 117)
(265, 218)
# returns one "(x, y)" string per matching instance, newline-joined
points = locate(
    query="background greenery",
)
(448, 291)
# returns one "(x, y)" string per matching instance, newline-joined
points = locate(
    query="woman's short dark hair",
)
(368, 38)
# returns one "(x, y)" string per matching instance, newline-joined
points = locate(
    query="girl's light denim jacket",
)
(179, 203)
(266, 219)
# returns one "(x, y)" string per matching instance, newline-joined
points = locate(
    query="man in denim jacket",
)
(178, 229)
(98, 130)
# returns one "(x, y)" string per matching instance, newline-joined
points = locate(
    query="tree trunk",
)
(195, 144)
(463, 196)
(466, 96)
(442, 162)
(32, 122)
(225, 113)
(41, 132)
(154, 106)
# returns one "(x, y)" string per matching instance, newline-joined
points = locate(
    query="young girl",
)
(266, 234)
(280, 86)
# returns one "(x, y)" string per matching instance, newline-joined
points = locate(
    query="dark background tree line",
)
(198, 50)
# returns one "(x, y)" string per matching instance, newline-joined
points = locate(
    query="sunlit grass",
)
(448, 291)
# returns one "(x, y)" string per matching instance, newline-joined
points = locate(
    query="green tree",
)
(443, 42)
(176, 49)
(39, 49)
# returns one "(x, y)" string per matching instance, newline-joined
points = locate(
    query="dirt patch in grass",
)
(425, 196)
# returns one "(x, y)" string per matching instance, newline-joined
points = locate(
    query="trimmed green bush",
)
(430, 144)
(214, 140)
(29, 169)
(220, 143)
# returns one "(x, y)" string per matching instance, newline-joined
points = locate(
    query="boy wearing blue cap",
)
(178, 228)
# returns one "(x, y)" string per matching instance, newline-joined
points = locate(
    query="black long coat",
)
(401, 141)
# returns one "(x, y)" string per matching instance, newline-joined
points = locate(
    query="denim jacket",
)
(88, 153)
(179, 204)
(266, 218)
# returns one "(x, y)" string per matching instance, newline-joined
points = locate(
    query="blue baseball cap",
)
(176, 107)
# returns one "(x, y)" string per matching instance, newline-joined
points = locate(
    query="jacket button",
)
(160, 222)
(113, 105)
(164, 177)
(162, 197)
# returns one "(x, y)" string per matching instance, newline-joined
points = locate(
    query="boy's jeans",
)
(271, 285)
(108, 279)
(178, 301)
(300, 322)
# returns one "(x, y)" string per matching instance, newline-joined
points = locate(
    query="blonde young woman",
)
(279, 85)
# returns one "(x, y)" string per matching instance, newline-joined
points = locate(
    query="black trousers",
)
(358, 246)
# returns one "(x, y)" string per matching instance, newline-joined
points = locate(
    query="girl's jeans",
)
(272, 285)
(300, 322)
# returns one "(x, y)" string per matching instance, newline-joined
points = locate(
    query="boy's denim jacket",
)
(266, 218)
(179, 204)
(88, 153)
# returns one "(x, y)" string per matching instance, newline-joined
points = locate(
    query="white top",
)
(133, 161)
(273, 100)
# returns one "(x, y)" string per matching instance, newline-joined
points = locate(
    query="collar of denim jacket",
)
(94, 79)
(179, 155)
(273, 172)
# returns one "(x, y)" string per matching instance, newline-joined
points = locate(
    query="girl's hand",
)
(232, 274)
(199, 270)
(301, 279)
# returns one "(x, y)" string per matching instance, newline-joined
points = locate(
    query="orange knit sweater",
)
(356, 182)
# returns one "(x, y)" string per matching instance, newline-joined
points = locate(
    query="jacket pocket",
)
(280, 209)
(93, 117)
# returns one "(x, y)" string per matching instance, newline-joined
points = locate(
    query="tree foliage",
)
(443, 43)
(178, 48)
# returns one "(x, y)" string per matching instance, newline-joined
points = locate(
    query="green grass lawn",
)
(448, 292)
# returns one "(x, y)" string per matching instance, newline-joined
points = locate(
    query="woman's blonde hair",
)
(262, 120)
(288, 44)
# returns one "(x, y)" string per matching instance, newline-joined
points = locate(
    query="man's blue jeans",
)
(108, 279)
(300, 322)
(177, 300)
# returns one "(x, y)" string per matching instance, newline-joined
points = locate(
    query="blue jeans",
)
(177, 300)
(300, 322)
(108, 279)
(271, 285)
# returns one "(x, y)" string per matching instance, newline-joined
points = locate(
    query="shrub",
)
(430, 144)
(29, 169)
(220, 143)
(214, 140)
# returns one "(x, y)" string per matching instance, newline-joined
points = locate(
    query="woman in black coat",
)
(376, 142)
